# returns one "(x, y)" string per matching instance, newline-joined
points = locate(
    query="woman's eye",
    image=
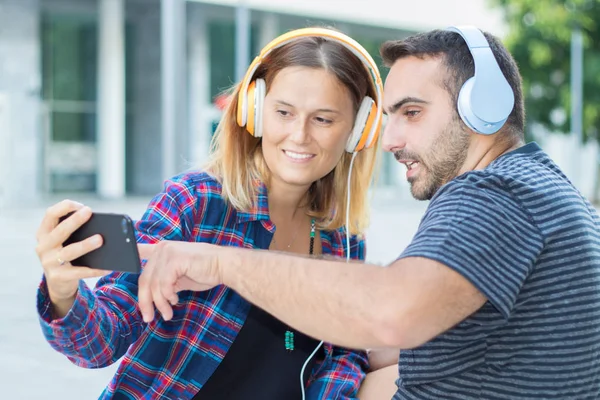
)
(322, 120)
(283, 113)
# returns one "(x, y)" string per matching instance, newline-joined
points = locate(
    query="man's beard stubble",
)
(442, 163)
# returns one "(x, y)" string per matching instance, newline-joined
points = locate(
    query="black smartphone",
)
(119, 249)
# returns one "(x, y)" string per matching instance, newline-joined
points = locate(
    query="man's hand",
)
(172, 267)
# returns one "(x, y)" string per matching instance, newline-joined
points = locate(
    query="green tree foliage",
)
(539, 37)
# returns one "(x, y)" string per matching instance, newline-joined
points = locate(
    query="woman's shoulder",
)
(199, 189)
(194, 184)
(196, 180)
(341, 234)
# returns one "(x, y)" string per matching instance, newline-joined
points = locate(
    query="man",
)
(497, 295)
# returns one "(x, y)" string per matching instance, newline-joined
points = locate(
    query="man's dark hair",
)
(460, 66)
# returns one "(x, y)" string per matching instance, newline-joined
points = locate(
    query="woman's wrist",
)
(60, 307)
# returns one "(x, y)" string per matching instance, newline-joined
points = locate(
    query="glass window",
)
(69, 57)
(222, 54)
(69, 74)
(69, 90)
(74, 126)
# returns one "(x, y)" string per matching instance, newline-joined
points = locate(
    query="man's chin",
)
(421, 193)
(419, 196)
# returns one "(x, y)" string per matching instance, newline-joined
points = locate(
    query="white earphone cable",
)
(349, 185)
(304, 366)
(347, 260)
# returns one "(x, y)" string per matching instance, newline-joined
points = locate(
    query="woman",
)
(380, 381)
(276, 180)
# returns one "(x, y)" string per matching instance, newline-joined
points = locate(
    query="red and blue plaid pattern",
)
(173, 359)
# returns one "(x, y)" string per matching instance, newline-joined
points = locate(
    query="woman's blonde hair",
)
(236, 158)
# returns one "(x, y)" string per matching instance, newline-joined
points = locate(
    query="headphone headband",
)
(347, 42)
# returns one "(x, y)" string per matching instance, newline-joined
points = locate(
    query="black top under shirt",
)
(258, 365)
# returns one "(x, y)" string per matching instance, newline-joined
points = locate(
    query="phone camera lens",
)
(124, 226)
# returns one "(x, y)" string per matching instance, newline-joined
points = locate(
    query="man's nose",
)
(393, 138)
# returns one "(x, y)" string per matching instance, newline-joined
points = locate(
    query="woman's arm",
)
(380, 384)
(102, 323)
(384, 357)
(340, 375)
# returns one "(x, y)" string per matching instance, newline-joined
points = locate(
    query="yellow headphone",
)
(368, 119)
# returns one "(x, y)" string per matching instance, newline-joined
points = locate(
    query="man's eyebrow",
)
(397, 105)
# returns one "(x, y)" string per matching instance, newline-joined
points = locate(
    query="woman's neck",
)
(288, 211)
(286, 200)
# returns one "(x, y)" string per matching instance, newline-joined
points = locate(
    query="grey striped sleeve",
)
(484, 235)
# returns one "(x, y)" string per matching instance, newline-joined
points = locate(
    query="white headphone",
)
(486, 99)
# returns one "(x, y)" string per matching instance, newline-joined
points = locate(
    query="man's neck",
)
(484, 150)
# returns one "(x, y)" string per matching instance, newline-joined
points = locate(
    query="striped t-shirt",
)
(526, 238)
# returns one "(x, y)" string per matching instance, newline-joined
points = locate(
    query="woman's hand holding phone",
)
(62, 278)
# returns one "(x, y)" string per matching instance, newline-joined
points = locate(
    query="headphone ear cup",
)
(475, 106)
(372, 129)
(250, 109)
(242, 108)
(260, 91)
(256, 100)
(464, 103)
(359, 134)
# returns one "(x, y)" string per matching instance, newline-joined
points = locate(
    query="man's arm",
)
(357, 305)
(473, 245)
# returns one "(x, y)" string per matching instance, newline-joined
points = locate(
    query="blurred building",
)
(113, 96)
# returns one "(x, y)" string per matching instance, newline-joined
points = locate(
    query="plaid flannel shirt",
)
(173, 359)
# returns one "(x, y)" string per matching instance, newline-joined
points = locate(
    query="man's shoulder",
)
(483, 195)
(473, 185)
(511, 176)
